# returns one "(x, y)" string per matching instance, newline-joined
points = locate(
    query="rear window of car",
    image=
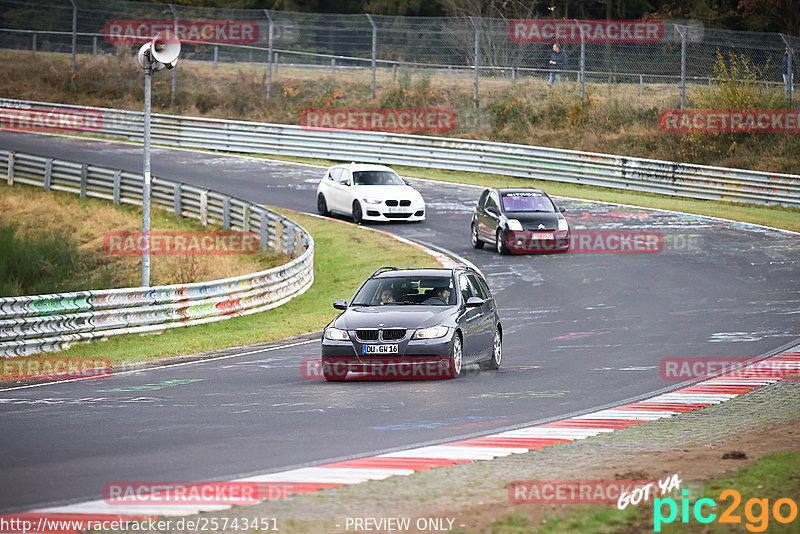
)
(404, 290)
(527, 202)
(376, 178)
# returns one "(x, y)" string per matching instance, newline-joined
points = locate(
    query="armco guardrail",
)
(43, 323)
(638, 174)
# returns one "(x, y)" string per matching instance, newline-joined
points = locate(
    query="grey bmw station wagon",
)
(414, 324)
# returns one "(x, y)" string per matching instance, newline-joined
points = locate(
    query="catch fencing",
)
(523, 161)
(44, 323)
(684, 54)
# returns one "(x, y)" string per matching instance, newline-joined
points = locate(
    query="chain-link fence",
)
(473, 48)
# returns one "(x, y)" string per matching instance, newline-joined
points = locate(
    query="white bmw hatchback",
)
(368, 193)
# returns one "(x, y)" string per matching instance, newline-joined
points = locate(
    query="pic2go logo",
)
(756, 511)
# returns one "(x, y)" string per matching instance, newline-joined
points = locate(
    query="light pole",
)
(162, 51)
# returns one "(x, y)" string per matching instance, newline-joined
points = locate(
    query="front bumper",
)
(424, 359)
(380, 212)
(538, 242)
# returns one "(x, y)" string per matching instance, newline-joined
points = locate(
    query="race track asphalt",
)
(581, 331)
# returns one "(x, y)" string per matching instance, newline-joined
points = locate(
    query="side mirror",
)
(340, 304)
(492, 210)
(346, 182)
(474, 302)
(562, 209)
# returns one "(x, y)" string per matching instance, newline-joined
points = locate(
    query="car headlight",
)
(430, 333)
(336, 334)
(372, 200)
(563, 226)
(514, 225)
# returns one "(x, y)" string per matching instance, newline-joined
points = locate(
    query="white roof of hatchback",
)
(355, 167)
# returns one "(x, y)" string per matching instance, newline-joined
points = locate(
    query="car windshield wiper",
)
(361, 304)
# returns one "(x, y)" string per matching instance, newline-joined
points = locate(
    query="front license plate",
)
(379, 349)
(540, 235)
(399, 210)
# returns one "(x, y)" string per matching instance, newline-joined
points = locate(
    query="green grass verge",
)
(344, 256)
(772, 477)
(778, 217)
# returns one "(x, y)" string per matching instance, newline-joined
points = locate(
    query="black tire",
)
(456, 358)
(333, 373)
(476, 241)
(497, 354)
(322, 206)
(358, 218)
(500, 244)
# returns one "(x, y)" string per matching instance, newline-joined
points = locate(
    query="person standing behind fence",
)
(558, 60)
(788, 65)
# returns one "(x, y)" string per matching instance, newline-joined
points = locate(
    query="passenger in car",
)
(387, 296)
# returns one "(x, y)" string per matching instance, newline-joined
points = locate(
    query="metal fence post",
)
(792, 65)
(277, 62)
(216, 56)
(175, 69)
(48, 173)
(269, 53)
(33, 44)
(477, 60)
(74, 34)
(683, 66)
(117, 188)
(374, 51)
(94, 45)
(583, 66)
(641, 85)
(394, 72)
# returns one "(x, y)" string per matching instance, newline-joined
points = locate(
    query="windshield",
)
(527, 202)
(396, 291)
(376, 178)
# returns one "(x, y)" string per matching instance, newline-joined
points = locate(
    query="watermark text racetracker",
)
(398, 120)
(51, 119)
(53, 367)
(197, 31)
(177, 243)
(591, 31)
(730, 121)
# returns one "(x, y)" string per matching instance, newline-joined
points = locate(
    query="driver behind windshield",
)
(441, 295)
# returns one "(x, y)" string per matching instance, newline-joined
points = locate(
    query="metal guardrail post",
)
(333, 66)
(277, 62)
(204, 207)
(10, 171)
(94, 45)
(216, 56)
(226, 213)
(84, 177)
(269, 54)
(683, 65)
(374, 51)
(264, 232)
(477, 59)
(117, 187)
(33, 44)
(177, 207)
(48, 173)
